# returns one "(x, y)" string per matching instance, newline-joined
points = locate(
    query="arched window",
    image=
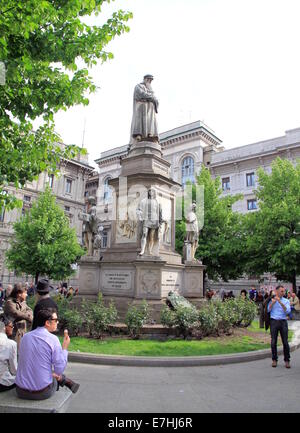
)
(187, 170)
(107, 190)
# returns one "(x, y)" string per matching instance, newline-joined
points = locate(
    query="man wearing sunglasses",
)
(42, 360)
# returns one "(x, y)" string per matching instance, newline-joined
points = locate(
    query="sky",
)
(233, 64)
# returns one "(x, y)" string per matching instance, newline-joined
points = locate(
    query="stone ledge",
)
(58, 403)
(188, 361)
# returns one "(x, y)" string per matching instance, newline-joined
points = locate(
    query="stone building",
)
(69, 188)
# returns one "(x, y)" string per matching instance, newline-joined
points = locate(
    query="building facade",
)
(187, 148)
(69, 189)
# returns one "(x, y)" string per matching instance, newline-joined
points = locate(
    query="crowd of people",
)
(32, 360)
(259, 296)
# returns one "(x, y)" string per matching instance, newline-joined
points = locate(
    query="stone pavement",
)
(247, 387)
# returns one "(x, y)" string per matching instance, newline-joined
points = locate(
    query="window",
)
(67, 208)
(226, 184)
(187, 170)
(250, 178)
(252, 204)
(107, 190)
(104, 239)
(50, 180)
(27, 198)
(68, 186)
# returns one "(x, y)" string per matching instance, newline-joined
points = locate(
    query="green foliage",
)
(213, 318)
(136, 317)
(208, 320)
(73, 321)
(46, 47)
(221, 239)
(273, 232)
(44, 243)
(31, 301)
(63, 305)
(167, 317)
(97, 317)
(185, 319)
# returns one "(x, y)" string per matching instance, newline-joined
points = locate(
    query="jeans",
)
(282, 327)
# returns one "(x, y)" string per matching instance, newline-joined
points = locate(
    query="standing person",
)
(43, 300)
(70, 292)
(244, 294)
(279, 307)
(16, 309)
(30, 291)
(294, 303)
(42, 360)
(8, 356)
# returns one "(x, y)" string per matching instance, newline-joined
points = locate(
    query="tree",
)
(273, 232)
(221, 239)
(41, 45)
(44, 243)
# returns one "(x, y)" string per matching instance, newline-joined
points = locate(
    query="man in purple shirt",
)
(42, 360)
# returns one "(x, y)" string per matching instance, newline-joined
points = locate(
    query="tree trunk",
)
(294, 276)
(37, 278)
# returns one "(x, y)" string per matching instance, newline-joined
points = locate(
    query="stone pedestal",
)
(123, 273)
(89, 276)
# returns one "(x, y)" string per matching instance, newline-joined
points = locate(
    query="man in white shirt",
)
(8, 356)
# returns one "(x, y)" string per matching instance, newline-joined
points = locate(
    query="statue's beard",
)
(148, 85)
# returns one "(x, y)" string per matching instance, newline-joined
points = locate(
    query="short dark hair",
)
(44, 315)
(279, 287)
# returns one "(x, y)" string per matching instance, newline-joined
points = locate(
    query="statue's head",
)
(194, 206)
(148, 77)
(151, 193)
(92, 201)
(148, 80)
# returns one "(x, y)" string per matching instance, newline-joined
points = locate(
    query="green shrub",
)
(63, 305)
(226, 315)
(74, 321)
(208, 320)
(97, 317)
(136, 317)
(167, 317)
(186, 319)
(248, 311)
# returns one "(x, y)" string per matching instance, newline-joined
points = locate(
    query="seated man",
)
(8, 355)
(42, 360)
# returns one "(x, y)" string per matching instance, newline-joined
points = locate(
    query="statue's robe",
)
(144, 121)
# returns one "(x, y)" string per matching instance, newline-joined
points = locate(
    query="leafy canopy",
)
(42, 43)
(273, 233)
(44, 243)
(220, 241)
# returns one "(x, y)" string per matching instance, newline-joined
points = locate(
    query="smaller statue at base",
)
(90, 225)
(149, 213)
(192, 235)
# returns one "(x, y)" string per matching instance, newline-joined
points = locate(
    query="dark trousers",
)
(6, 387)
(41, 395)
(282, 327)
